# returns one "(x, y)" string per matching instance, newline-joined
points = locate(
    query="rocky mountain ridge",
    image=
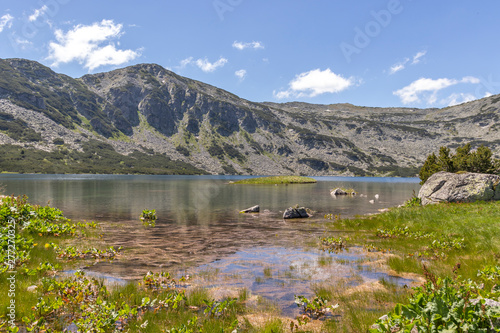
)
(149, 110)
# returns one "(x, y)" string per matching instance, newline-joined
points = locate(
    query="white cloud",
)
(455, 99)
(314, 83)
(37, 13)
(416, 57)
(399, 66)
(186, 62)
(209, 67)
(203, 64)
(84, 44)
(109, 55)
(282, 94)
(22, 43)
(428, 89)
(470, 79)
(241, 74)
(252, 45)
(6, 21)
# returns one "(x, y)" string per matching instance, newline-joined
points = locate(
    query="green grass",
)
(476, 226)
(358, 309)
(277, 180)
(196, 297)
(273, 325)
(410, 235)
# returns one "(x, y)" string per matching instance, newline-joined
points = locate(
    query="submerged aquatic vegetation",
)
(71, 252)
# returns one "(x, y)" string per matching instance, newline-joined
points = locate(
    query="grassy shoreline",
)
(452, 242)
(399, 241)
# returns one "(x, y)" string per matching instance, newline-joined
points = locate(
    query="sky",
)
(381, 53)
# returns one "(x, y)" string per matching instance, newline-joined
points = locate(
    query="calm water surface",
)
(199, 229)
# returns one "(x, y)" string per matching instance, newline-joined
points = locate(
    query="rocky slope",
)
(148, 110)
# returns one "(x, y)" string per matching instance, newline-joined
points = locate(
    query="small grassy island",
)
(277, 180)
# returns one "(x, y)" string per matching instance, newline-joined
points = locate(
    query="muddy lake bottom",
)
(270, 258)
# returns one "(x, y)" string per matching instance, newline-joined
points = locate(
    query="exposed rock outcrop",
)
(463, 187)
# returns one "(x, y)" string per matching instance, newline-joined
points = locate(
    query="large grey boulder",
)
(295, 213)
(463, 187)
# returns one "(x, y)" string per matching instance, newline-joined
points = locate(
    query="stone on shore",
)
(295, 213)
(462, 187)
(254, 209)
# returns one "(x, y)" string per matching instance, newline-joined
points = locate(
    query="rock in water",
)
(254, 209)
(295, 213)
(338, 191)
(463, 187)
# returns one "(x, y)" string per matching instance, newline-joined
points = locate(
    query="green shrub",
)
(58, 141)
(463, 160)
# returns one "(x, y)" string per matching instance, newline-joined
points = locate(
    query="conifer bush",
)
(465, 160)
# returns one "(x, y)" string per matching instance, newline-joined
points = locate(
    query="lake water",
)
(200, 231)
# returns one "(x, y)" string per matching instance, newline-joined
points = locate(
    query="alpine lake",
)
(200, 232)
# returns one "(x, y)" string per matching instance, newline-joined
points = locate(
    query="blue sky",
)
(413, 53)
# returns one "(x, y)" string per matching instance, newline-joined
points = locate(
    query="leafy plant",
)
(414, 201)
(333, 244)
(191, 327)
(148, 217)
(77, 300)
(158, 280)
(491, 273)
(444, 305)
(332, 217)
(71, 253)
(218, 308)
(315, 308)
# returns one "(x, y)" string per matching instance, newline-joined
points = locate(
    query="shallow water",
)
(199, 228)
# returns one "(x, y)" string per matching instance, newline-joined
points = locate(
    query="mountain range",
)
(147, 119)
